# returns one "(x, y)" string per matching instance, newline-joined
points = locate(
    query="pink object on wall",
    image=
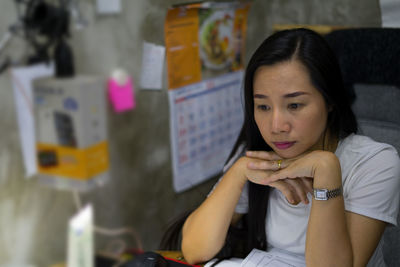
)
(121, 94)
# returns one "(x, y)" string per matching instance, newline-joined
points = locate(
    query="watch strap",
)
(335, 192)
(325, 194)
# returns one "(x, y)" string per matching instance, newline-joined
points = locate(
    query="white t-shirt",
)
(371, 186)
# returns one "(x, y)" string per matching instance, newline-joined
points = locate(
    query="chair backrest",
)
(370, 63)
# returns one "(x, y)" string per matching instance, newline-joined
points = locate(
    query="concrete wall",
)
(33, 217)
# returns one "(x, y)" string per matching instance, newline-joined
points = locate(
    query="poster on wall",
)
(205, 54)
(204, 40)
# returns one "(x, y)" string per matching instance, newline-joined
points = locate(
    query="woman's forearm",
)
(328, 242)
(205, 230)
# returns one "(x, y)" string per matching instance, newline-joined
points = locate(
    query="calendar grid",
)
(205, 121)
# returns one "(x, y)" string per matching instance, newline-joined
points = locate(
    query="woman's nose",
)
(280, 122)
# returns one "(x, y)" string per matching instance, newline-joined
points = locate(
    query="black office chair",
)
(370, 63)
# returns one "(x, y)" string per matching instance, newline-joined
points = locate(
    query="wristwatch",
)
(325, 194)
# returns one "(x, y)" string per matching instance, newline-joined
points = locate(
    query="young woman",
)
(307, 183)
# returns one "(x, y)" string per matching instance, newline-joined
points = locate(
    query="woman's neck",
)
(327, 142)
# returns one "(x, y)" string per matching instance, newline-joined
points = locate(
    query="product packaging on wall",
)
(71, 133)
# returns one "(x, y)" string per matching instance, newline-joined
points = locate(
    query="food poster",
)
(204, 40)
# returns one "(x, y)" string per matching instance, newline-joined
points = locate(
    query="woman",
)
(309, 185)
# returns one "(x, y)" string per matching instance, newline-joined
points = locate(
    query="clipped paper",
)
(22, 78)
(106, 7)
(152, 66)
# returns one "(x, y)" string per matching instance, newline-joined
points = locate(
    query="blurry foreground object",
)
(80, 239)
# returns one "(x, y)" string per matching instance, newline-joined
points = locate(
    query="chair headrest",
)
(368, 55)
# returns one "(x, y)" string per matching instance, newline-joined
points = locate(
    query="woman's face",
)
(289, 111)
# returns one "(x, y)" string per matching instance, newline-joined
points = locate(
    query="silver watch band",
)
(325, 194)
(335, 192)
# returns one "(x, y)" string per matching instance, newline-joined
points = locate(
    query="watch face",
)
(321, 194)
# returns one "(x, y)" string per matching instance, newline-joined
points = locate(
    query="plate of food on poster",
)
(215, 38)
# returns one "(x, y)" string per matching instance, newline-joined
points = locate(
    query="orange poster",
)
(204, 40)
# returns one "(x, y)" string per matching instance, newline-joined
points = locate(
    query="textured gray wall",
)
(33, 217)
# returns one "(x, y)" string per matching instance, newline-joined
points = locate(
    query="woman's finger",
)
(295, 190)
(308, 182)
(267, 155)
(257, 176)
(290, 170)
(274, 165)
(287, 190)
(300, 188)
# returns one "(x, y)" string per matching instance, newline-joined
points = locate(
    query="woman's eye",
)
(294, 106)
(263, 107)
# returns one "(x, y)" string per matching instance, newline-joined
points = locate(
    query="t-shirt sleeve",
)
(374, 188)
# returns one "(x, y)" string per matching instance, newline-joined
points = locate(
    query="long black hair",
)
(311, 50)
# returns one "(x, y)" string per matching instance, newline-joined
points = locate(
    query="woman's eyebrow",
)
(260, 96)
(295, 94)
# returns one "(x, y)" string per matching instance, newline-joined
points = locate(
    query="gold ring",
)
(279, 161)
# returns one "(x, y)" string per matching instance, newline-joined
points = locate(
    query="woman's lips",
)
(283, 145)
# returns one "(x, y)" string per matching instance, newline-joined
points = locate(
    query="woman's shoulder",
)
(363, 145)
(357, 149)
(371, 177)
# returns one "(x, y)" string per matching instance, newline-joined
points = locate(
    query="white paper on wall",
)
(105, 7)
(22, 78)
(152, 66)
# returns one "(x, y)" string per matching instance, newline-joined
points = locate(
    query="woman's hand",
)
(262, 165)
